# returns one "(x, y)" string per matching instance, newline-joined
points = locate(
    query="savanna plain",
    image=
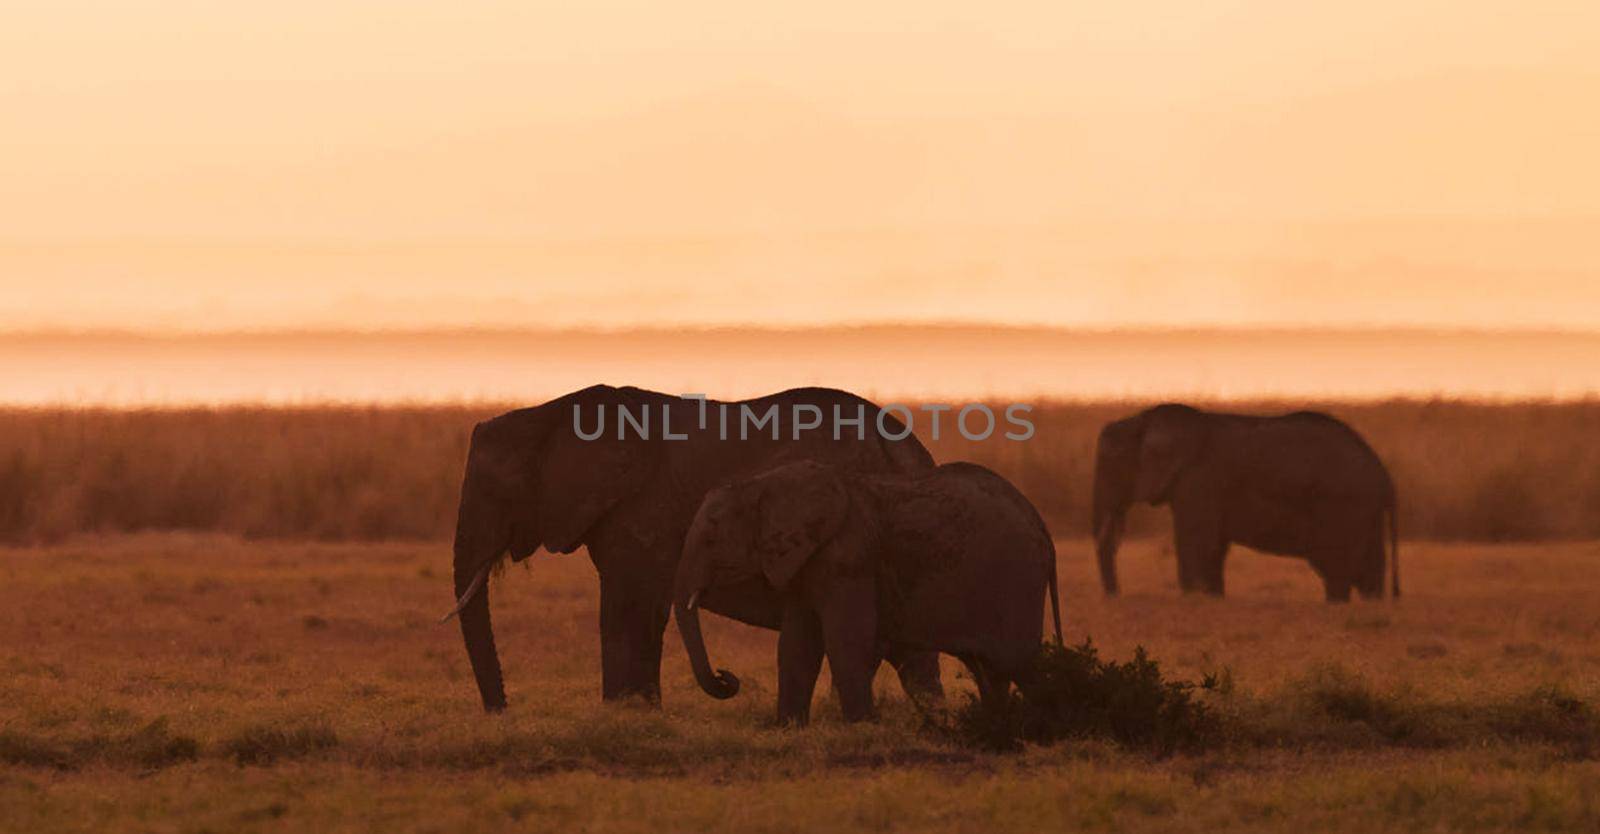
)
(225, 620)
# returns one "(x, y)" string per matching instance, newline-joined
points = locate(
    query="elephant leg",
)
(1335, 577)
(632, 620)
(1371, 588)
(1374, 560)
(1187, 582)
(1197, 537)
(800, 650)
(993, 687)
(1211, 568)
(1336, 557)
(647, 671)
(849, 619)
(919, 676)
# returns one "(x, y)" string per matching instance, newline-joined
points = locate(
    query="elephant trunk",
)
(720, 685)
(1109, 518)
(476, 551)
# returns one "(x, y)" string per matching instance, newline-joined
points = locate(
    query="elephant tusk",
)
(472, 591)
(693, 598)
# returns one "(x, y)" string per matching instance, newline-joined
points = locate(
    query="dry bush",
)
(265, 744)
(1465, 471)
(1073, 694)
(152, 745)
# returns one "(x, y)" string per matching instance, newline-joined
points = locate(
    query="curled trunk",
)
(722, 684)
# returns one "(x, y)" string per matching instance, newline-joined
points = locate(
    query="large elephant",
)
(1302, 484)
(872, 565)
(541, 477)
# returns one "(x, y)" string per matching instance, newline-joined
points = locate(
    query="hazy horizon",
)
(907, 362)
(204, 334)
(1435, 274)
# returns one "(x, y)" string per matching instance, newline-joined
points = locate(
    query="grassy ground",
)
(170, 683)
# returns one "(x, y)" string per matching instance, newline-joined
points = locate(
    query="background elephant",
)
(870, 565)
(532, 480)
(1302, 484)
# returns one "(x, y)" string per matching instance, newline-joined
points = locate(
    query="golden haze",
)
(413, 164)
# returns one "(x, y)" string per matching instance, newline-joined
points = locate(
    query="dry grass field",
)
(185, 682)
(1465, 471)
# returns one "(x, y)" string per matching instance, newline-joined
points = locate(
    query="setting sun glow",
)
(548, 166)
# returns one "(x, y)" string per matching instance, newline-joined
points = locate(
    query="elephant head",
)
(1139, 458)
(532, 482)
(764, 528)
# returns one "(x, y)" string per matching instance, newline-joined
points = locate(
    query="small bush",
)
(27, 750)
(1333, 707)
(263, 745)
(1549, 714)
(1347, 696)
(1076, 695)
(153, 745)
(1334, 692)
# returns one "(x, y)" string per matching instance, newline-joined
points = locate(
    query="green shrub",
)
(1073, 694)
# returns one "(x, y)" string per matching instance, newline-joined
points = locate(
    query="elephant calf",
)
(954, 559)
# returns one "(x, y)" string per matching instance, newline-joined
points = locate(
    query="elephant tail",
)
(1055, 595)
(1394, 546)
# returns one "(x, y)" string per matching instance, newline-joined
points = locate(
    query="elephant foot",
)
(1336, 592)
(858, 716)
(638, 697)
(795, 720)
(919, 677)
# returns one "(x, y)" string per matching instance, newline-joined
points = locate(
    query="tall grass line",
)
(1465, 471)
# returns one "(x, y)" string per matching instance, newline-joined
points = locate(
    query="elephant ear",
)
(499, 491)
(580, 480)
(1171, 442)
(802, 507)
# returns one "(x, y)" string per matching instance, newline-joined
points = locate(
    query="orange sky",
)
(401, 164)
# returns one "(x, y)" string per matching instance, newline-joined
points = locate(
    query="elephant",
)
(872, 565)
(540, 477)
(1303, 484)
